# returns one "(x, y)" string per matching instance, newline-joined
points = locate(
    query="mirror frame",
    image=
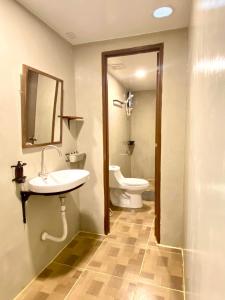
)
(24, 100)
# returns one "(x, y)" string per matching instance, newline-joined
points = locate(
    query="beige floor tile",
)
(152, 239)
(114, 217)
(54, 283)
(99, 286)
(79, 252)
(141, 216)
(118, 259)
(162, 268)
(119, 209)
(147, 206)
(150, 292)
(130, 234)
(127, 264)
(150, 204)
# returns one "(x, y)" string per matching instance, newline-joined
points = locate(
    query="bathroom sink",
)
(58, 181)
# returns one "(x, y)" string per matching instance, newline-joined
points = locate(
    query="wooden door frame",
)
(123, 52)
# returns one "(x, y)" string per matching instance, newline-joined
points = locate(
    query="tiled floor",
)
(127, 264)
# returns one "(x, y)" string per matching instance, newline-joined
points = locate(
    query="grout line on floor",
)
(113, 211)
(126, 279)
(126, 244)
(171, 247)
(111, 227)
(102, 242)
(65, 265)
(120, 243)
(73, 287)
(144, 254)
(144, 225)
(94, 233)
(161, 286)
(165, 249)
(104, 273)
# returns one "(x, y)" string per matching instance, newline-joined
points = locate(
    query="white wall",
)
(143, 133)
(205, 168)
(25, 40)
(119, 127)
(88, 93)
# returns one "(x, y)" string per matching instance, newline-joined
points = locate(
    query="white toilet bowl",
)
(125, 192)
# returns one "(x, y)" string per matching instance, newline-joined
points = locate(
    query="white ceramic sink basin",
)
(58, 181)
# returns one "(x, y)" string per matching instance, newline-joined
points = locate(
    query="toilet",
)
(125, 192)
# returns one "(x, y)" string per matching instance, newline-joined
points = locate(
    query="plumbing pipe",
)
(46, 236)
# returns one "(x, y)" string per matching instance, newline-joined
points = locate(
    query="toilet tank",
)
(115, 176)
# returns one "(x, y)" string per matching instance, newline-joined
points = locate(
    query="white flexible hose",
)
(46, 236)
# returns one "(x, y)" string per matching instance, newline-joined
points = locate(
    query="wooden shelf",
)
(69, 118)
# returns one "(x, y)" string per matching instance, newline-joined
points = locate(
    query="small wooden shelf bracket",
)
(69, 118)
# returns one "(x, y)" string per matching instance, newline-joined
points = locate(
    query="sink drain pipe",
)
(45, 236)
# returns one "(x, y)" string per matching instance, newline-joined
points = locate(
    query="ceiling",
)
(83, 21)
(123, 68)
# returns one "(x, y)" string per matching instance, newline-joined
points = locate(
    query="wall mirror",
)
(42, 104)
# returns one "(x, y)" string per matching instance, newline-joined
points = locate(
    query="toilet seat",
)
(135, 181)
(133, 184)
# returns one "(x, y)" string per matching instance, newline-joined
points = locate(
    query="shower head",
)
(129, 103)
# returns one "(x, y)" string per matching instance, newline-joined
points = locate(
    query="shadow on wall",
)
(43, 214)
(87, 219)
(75, 128)
(148, 195)
(79, 125)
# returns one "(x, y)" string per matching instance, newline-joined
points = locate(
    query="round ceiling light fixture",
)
(140, 73)
(163, 12)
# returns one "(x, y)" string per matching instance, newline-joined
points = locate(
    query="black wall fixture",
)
(26, 194)
(131, 143)
(19, 177)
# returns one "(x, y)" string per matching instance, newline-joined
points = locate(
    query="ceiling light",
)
(140, 73)
(163, 12)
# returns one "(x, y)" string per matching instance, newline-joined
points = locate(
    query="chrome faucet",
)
(43, 173)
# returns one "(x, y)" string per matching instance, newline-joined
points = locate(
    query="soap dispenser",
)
(19, 178)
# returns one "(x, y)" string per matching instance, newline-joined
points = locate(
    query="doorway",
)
(158, 50)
